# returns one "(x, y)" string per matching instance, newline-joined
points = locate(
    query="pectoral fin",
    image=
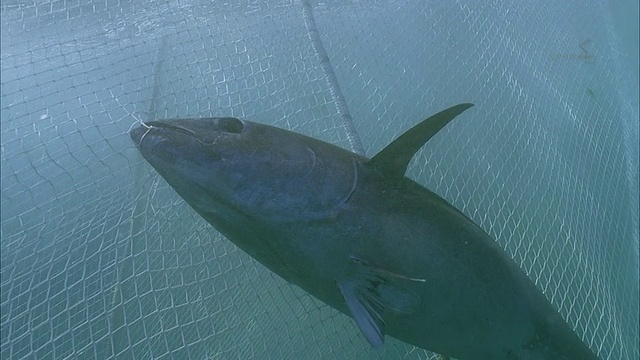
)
(366, 310)
(370, 293)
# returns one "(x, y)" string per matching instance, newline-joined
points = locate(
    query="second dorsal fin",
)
(393, 160)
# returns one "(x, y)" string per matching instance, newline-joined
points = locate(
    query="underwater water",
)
(100, 258)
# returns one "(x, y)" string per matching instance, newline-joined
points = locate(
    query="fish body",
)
(360, 236)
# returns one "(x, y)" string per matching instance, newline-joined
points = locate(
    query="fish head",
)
(227, 165)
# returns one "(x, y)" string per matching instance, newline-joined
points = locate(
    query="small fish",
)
(584, 55)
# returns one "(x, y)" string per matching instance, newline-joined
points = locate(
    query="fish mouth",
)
(137, 134)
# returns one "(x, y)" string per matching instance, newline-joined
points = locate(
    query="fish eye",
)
(231, 125)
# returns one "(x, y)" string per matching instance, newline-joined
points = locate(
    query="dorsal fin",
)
(393, 160)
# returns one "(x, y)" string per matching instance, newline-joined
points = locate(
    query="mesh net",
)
(101, 259)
